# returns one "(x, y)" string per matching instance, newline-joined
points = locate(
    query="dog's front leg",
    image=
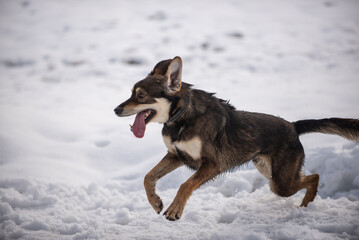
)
(207, 171)
(169, 163)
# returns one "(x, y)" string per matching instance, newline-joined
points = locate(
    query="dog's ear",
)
(174, 76)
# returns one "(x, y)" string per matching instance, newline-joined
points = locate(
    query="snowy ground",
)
(70, 169)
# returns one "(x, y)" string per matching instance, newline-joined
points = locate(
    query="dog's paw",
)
(174, 211)
(156, 203)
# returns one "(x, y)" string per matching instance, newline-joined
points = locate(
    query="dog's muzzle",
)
(118, 111)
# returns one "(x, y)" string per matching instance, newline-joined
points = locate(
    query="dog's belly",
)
(191, 147)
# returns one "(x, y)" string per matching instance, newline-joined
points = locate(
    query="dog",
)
(210, 136)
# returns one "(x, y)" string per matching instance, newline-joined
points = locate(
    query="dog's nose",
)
(119, 111)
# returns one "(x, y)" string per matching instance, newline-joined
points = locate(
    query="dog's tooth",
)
(130, 127)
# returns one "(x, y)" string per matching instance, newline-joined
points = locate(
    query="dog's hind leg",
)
(207, 171)
(264, 165)
(287, 178)
(169, 163)
(311, 184)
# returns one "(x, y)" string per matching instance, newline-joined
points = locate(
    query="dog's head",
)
(150, 98)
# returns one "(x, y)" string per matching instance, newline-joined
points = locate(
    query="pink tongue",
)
(139, 126)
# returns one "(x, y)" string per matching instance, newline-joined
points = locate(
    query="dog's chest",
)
(191, 147)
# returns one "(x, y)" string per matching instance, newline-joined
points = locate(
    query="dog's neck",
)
(180, 111)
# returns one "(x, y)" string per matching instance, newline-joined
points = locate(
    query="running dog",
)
(210, 136)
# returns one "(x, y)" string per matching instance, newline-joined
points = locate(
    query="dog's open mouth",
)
(142, 118)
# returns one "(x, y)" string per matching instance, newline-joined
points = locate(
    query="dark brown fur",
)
(227, 139)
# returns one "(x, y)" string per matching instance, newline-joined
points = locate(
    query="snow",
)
(71, 169)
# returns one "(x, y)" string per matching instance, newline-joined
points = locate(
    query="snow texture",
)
(71, 169)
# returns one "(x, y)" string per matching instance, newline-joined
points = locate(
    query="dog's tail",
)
(347, 128)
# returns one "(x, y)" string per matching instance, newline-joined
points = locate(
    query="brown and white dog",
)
(210, 136)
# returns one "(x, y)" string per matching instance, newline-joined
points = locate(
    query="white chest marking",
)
(192, 147)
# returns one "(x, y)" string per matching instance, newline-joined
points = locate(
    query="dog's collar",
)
(181, 111)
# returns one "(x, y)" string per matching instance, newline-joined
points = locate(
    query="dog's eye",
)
(141, 95)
